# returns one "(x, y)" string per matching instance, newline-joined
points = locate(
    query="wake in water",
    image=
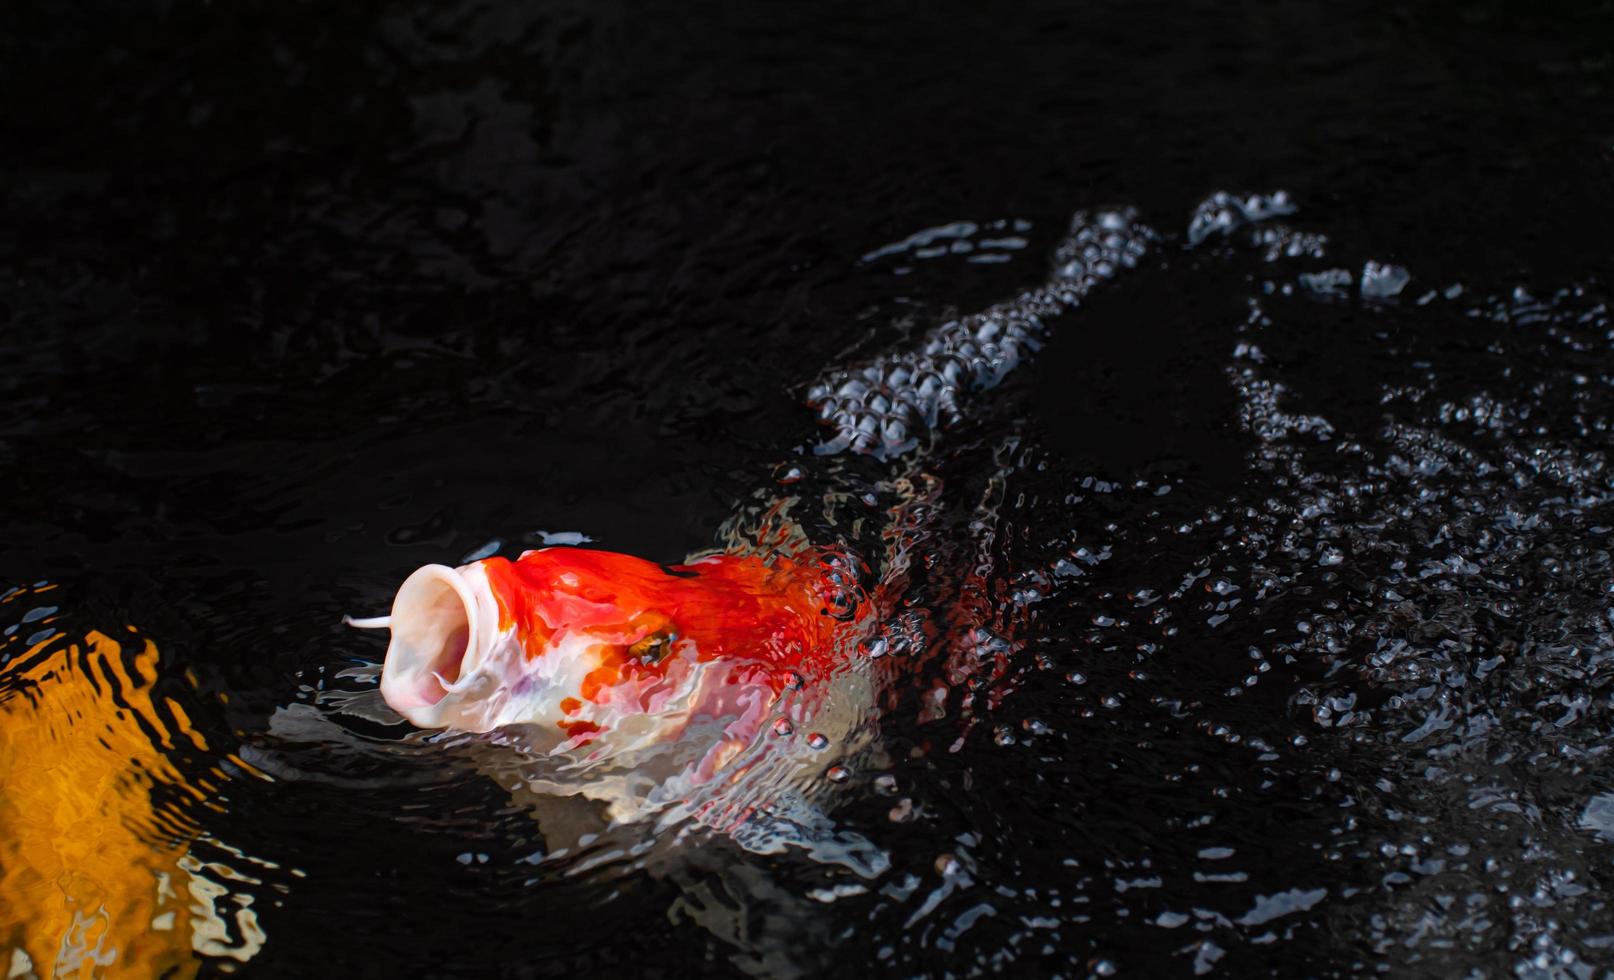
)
(603, 659)
(1352, 689)
(637, 688)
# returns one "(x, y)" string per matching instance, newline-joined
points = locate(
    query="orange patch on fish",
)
(726, 606)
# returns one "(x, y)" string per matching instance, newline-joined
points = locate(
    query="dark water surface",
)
(1289, 609)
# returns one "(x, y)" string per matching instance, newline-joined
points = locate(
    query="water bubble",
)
(1383, 281)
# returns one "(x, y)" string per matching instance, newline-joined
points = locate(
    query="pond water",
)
(1269, 606)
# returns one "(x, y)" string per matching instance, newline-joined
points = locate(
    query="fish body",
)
(594, 648)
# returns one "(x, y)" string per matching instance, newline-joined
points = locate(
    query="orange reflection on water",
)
(95, 877)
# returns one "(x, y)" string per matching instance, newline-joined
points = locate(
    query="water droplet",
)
(782, 727)
(817, 740)
(837, 774)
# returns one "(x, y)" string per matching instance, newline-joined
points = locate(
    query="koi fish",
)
(595, 647)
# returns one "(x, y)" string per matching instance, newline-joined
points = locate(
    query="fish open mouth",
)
(434, 631)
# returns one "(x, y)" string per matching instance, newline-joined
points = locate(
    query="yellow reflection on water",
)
(96, 879)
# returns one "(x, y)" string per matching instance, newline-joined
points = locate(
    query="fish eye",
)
(653, 649)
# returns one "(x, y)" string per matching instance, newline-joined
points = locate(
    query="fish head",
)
(584, 642)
